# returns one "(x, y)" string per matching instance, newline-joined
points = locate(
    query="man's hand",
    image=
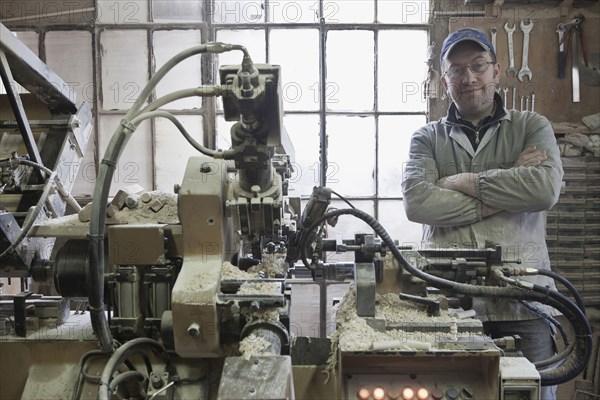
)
(530, 157)
(463, 182)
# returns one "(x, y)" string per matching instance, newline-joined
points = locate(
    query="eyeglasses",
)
(478, 67)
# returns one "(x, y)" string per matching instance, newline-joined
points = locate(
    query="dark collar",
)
(497, 113)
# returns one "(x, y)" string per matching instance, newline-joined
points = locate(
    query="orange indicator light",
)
(378, 393)
(408, 394)
(422, 394)
(363, 394)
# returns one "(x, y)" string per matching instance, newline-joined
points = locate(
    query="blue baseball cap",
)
(465, 34)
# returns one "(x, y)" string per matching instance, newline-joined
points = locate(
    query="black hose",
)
(123, 377)
(81, 365)
(123, 353)
(567, 284)
(552, 320)
(577, 360)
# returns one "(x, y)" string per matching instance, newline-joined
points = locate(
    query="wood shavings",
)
(260, 288)
(231, 272)
(272, 266)
(253, 345)
(354, 334)
(261, 315)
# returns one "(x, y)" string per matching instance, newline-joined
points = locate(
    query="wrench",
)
(505, 90)
(514, 98)
(522, 103)
(493, 30)
(511, 70)
(525, 71)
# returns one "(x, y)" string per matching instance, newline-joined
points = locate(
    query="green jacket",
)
(450, 218)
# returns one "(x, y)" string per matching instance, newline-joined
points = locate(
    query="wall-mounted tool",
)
(514, 97)
(562, 60)
(505, 90)
(532, 101)
(522, 103)
(525, 71)
(511, 70)
(493, 31)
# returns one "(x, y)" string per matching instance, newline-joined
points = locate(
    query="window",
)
(352, 74)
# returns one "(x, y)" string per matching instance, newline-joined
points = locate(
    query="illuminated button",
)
(422, 394)
(408, 394)
(378, 393)
(437, 394)
(363, 394)
(451, 394)
(394, 394)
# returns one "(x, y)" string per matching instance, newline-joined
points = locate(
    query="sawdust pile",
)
(231, 272)
(260, 288)
(271, 267)
(354, 334)
(253, 345)
(164, 202)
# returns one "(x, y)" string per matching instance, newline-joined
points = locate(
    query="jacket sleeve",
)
(526, 189)
(426, 203)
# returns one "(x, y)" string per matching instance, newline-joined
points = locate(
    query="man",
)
(484, 173)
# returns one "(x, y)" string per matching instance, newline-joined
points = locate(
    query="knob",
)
(451, 394)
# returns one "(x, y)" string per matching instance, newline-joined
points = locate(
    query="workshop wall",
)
(553, 95)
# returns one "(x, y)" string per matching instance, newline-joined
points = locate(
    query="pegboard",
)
(553, 96)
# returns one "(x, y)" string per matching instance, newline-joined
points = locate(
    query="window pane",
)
(304, 134)
(294, 11)
(177, 10)
(29, 39)
(124, 59)
(403, 11)
(223, 135)
(64, 49)
(394, 143)
(350, 78)
(299, 69)
(252, 40)
(186, 74)
(400, 84)
(173, 150)
(351, 155)
(122, 12)
(85, 180)
(238, 11)
(135, 164)
(393, 218)
(348, 11)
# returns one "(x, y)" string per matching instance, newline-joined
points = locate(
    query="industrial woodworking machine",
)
(188, 294)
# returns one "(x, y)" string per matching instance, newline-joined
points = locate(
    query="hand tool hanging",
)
(570, 37)
(562, 61)
(511, 70)
(525, 71)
